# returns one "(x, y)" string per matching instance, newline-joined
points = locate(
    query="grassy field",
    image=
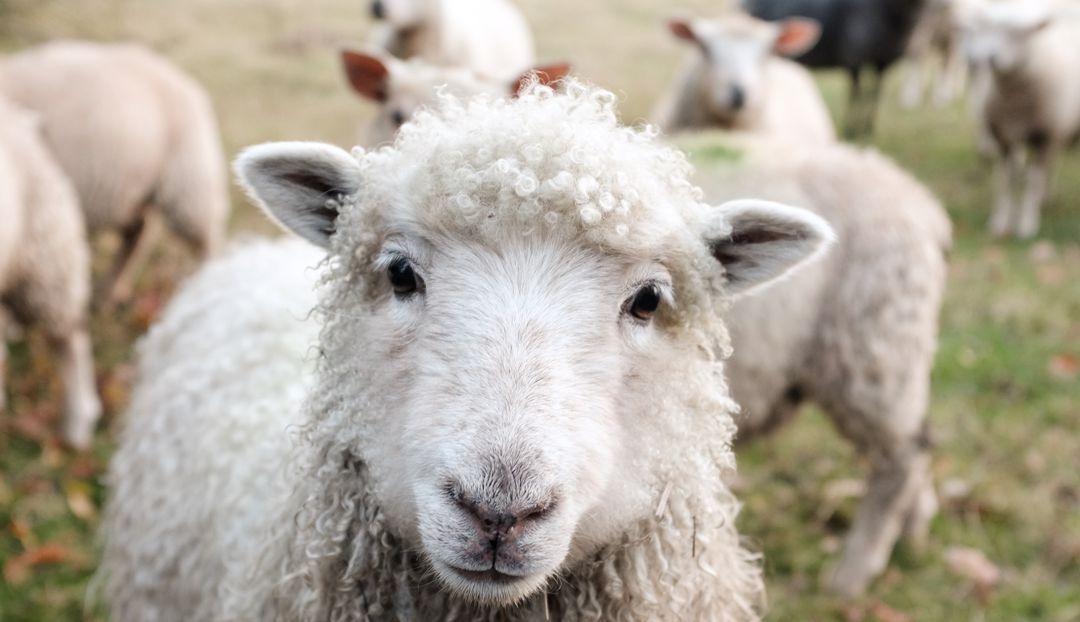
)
(1006, 399)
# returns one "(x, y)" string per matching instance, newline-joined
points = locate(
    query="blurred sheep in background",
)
(45, 265)
(489, 37)
(855, 34)
(134, 134)
(735, 79)
(937, 63)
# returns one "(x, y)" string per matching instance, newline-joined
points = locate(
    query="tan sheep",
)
(45, 264)
(133, 134)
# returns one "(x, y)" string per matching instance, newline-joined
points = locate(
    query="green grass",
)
(1006, 426)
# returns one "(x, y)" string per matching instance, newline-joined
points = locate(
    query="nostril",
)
(378, 11)
(738, 97)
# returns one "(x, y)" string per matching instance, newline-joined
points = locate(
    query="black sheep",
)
(855, 34)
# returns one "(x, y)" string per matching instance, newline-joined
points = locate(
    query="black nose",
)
(504, 525)
(378, 11)
(738, 97)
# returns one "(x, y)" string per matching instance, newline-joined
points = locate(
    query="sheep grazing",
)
(400, 88)
(855, 333)
(45, 265)
(518, 407)
(1031, 104)
(935, 53)
(855, 34)
(488, 37)
(736, 81)
(133, 134)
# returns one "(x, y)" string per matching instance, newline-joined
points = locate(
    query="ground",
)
(1006, 396)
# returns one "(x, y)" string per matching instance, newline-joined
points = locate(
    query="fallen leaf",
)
(84, 466)
(1042, 251)
(885, 613)
(117, 386)
(17, 569)
(1064, 367)
(21, 532)
(78, 500)
(972, 564)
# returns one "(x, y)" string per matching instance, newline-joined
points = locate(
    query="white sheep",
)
(854, 333)
(935, 53)
(1031, 104)
(133, 134)
(400, 88)
(488, 37)
(516, 409)
(45, 265)
(735, 80)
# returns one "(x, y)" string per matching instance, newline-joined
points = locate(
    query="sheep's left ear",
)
(298, 184)
(797, 35)
(761, 241)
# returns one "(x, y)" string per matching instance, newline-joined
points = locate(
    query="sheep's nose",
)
(503, 525)
(378, 11)
(738, 97)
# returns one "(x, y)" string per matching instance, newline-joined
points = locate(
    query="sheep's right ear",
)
(797, 36)
(368, 75)
(758, 241)
(683, 29)
(297, 184)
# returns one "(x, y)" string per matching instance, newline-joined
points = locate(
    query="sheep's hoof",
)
(78, 432)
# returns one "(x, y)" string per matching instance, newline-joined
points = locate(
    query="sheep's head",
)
(400, 88)
(734, 51)
(996, 35)
(523, 324)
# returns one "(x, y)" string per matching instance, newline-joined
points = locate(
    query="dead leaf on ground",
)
(885, 613)
(972, 564)
(1064, 366)
(78, 500)
(17, 569)
(117, 386)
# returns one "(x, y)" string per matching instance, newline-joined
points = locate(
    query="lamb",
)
(518, 408)
(488, 37)
(1031, 103)
(735, 80)
(400, 88)
(855, 34)
(134, 135)
(45, 265)
(855, 333)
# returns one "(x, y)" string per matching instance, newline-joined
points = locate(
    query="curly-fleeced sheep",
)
(488, 37)
(736, 81)
(517, 407)
(45, 264)
(1029, 57)
(855, 333)
(133, 134)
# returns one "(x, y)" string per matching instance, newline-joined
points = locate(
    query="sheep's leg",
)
(916, 72)
(1010, 165)
(82, 406)
(1035, 189)
(851, 121)
(120, 283)
(3, 359)
(954, 74)
(871, 101)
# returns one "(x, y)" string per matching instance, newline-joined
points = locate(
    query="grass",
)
(1006, 400)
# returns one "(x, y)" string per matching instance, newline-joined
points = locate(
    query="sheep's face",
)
(402, 13)
(735, 50)
(514, 349)
(998, 35)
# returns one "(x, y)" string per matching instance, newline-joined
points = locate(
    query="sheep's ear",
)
(763, 241)
(546, 75)
(296, 183)
(797, 35)
(368, 75)
(683, 29)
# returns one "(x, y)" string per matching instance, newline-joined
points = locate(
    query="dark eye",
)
(402, 278)
(398, 117)
(645, 302)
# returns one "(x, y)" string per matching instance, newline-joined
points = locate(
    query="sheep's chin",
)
(505, 591)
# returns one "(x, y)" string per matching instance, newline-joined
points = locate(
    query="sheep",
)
(855, 333)
(1031, 102)
(736, 82)
(936, 47)
(133, 134)
(400, 88)
(855, 34)
(518, 408)
(488, 37)
(45, 265)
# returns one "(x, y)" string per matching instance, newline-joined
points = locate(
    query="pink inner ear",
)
(367, 75)
(546, 75)
(682, 30)
(797, 36)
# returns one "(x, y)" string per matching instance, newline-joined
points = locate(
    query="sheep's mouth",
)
(486, 576)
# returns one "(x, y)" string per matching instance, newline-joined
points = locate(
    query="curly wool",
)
(475, 170)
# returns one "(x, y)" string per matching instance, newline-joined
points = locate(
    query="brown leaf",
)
(885, 613)
(17, 569)
(21, 532)
(117, 386)
(1064, 367)
(78, 500)
(84, 466)
(973, 564)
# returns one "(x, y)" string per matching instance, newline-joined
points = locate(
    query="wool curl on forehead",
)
(557, 166)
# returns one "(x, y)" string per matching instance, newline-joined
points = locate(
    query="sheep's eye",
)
(398, 118)
(645, 302)
(402, 277)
